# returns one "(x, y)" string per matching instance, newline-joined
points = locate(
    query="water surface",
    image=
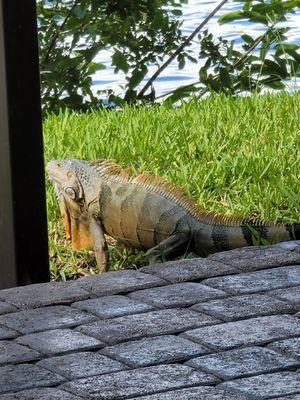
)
(193, 14)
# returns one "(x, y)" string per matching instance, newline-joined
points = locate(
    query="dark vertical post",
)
(23, 223)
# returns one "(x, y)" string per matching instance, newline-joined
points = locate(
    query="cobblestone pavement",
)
(222, 328)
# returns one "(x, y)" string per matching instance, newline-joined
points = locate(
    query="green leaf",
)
(203, 74)
(137, 77)
(130, 95)
(214, 84)
(282, 48)
(94, 67)
(231, 16)
(273, 68)
(225, 78)
(248, 39)
(95, 5)
(180, 93)
(177, 13)
(192, 59)
(275, 85)
(181, 61)
(250, 15)
(80, 11)
(120, 61)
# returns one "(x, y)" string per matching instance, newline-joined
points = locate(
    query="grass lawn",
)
(234, 156)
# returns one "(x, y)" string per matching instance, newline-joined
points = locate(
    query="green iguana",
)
(145, 212)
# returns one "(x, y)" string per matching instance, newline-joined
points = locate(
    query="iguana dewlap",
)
(145, 212)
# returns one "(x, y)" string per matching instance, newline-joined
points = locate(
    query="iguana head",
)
(76, 189)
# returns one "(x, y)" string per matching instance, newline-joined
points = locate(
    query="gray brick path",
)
(257, 281)
(255, 258)
(184, 270)
(6, 308)
(155, 350)
(7, 333)
(124, 384)
(113, 306)
(259, 330)
(153, 323)
(11, 352)
(194, 393)
(59, 341)
(42, 319)
(291, 294)
(222, 328)
(81, 365)
(265, 386)
(246, 306)
(41, 394)
(289, 347)
(177, 295)
(243, 362)
(24, 376)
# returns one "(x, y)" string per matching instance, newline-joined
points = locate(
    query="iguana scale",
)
(145, 212)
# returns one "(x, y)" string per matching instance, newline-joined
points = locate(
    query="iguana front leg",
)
(100, 244)
(167, 247)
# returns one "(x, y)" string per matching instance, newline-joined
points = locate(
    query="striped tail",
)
(264, 234)
(222, 236)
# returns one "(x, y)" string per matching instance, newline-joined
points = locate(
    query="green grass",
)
(235, 156)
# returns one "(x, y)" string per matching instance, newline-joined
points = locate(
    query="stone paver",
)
(81, 365)
(112, 306)
(41, 319)
(257, 281)
(246, 306)
(243, 362)
(115, 282)
(148, 324)
(11, 352)
(184, 270)
(290, 347)
(41, 394)
(222, 328)
(43, 294)
(26, 376)
(247, 332)
(155, 350)
(59, 341)
(291, 294)
(7, 333)
(177, 295)
(293, 245)
(255, 258)
(6, 308)
(120, 385)
(194, 393)
(265, 386)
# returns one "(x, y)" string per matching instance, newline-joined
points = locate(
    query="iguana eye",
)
(59, 165)
(70, 192)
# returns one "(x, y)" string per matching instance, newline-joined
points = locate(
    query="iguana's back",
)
(140, 216)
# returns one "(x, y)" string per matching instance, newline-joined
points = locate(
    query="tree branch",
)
(57, 33)
(253, 47)
(179, 49)
(239, 62)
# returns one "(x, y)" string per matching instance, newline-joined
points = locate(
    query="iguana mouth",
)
(53, 176)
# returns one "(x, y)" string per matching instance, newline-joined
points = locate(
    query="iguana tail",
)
(228, 234)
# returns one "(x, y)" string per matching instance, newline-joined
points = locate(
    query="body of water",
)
(193, 13)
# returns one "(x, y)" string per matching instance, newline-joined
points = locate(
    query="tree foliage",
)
(72, 33)
(265, 61)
